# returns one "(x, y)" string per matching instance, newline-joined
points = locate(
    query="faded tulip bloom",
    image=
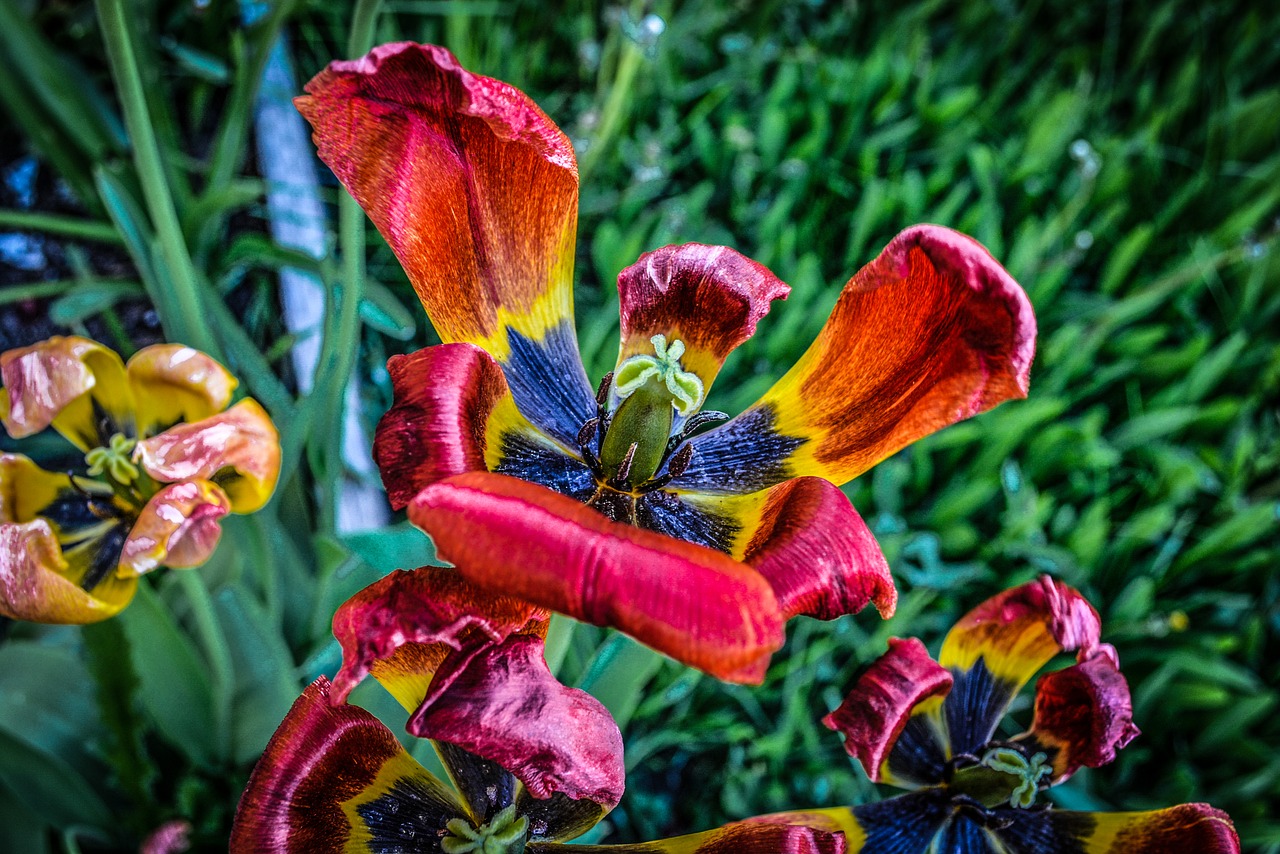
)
(531, 763)
(931, 727)
(628, 504)
(164, 460)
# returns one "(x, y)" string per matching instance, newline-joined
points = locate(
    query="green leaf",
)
(175, 689)
(45, 784)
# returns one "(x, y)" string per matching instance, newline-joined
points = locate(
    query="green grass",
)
(1124, 164)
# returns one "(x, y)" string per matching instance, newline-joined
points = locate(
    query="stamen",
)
(602, 390)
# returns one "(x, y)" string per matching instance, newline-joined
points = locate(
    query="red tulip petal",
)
(1083, 714)
(1195, 828)
(504, 705)
(58, 382)
(476, 191)
(709, 297)
(238, 449)
(173, 383)
(427, 612)
(998, 646)
(333, 777)
(693, 603)
(454, 413)
(883, 700)
(931, 332)
(178, 528)
(41, 583)
(817, 553)
(902, 825)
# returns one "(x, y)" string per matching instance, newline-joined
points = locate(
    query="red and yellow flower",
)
(623, 507)
(163, 459)
(931, 727)
(531, 763)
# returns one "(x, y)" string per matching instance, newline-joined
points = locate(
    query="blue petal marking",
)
(1045, 831)
(905, 824)
(666, 513)
(543, 464)
(974, 707)
(408, 819)
(917, 757)
(548, 382)
(740, 456)
(963, 836)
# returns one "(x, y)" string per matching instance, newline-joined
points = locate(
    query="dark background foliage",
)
(1122, 161)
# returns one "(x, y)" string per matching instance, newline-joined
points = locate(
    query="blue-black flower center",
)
(640, 444)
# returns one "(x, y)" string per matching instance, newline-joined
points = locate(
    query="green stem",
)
(63, 226)
(342, 338)
(185, 320)
(215, 646)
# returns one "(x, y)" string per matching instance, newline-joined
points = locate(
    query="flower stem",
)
(215, 646)
(184, 317)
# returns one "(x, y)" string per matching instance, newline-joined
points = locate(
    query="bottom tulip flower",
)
(532, 763)
(930, 727)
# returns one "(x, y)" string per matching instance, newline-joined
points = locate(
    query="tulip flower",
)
(931, 727)
(531, 764)
(164, 460)
(631, 505)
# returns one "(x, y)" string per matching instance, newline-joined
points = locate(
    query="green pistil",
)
(115, 460)
(1003, 776)
(684, 387)
(506, 833)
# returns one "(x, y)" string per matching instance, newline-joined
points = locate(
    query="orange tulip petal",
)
(173, 383)
(238, 449)
(709, 297)
(476, 191)
(693, 603)
(179, 527)
(931, 332)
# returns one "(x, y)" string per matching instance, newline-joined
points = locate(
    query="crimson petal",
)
(881, 704)
(503, 704)
(693, 603)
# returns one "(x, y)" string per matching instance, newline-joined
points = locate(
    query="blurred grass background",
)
(1123, 163)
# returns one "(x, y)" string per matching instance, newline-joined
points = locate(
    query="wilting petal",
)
(172, 837)
(709, 297)
(334, 779)
(173, 383)
(806, 539)
(454, 413)
(41, 584)
(755, 836)
(504, 705)
(178, 528)
(1195, 828)
(426, 612)
(999, 645)
(875, 712)
(238, 449)
(476, 191)
(695, 604)
(931, 332)
(75, 384)
(1083, 714)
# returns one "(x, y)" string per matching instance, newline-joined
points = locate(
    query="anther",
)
(588, 430)
(602, 390)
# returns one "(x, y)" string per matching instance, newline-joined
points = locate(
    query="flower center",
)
(505, 833)
(115, 460)
(652, 389)
(1003, 776)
